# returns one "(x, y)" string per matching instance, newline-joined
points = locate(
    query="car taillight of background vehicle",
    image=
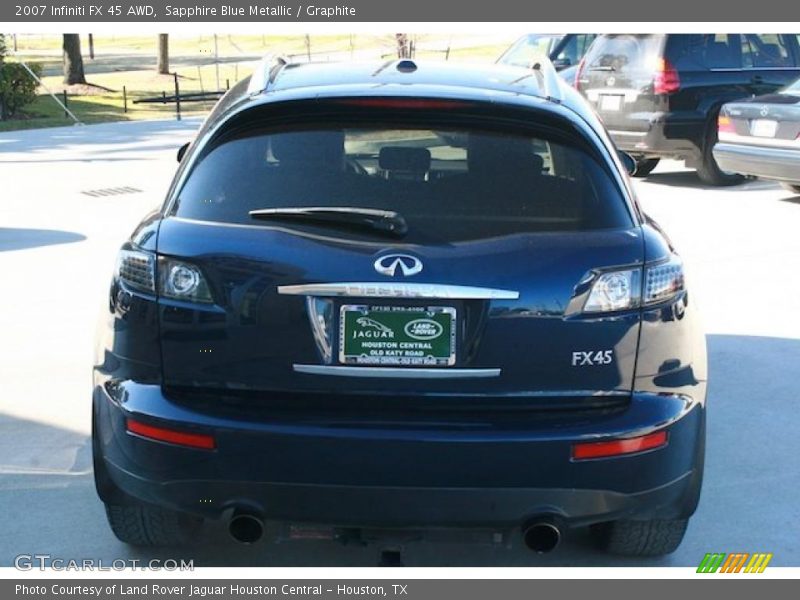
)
(176, 279)
(622, 289)
(666, 79)
(725, 125)
(579, 73)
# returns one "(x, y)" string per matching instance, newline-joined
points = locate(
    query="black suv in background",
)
(660, 95)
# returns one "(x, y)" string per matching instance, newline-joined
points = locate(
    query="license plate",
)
(763, 128)
(608, 102)
(397, 336)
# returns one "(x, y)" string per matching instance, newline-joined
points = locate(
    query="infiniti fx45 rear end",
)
(401, 297)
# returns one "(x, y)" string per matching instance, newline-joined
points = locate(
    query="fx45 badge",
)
(592, 358)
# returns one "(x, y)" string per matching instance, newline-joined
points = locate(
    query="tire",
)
(708, 171)
(792, 187)
(641, 538)
(144, 525)
(645, 166)
(134, 522)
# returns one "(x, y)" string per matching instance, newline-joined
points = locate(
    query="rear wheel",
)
(641, 538)
(144, 525)
(792, 187)
(135, 522)
(708, 170)
(645, 166)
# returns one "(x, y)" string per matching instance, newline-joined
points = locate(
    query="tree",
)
(163, 54)
(73, 62)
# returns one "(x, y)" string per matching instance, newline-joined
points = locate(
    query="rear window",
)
(448, 185)
(625, 53)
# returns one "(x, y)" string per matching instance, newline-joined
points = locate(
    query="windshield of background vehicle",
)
(448, 185)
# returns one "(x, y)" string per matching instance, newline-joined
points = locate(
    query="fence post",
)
(124, 99)
(66, 112)
(177, 98)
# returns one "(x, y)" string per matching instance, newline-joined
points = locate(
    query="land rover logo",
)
(423, 329)
(388, 265)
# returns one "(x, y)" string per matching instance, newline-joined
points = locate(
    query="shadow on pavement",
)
(690, 179)
(753, 463)
(22, 239)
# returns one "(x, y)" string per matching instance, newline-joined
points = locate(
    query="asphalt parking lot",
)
(60, 227)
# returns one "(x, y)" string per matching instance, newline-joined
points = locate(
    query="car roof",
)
(408, 72)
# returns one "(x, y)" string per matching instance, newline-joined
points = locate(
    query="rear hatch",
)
(772, 120)
(618, 76)
(317, 295)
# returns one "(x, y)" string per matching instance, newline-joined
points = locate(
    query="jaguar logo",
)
(423, 329)
(388, 265)
(372, 329)
(764, 111)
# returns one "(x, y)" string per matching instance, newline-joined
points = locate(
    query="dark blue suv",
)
(401, 297)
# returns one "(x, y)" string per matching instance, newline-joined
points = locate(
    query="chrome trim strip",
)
(758, 142)
(628, 133)
(397, 290)
(396, 372)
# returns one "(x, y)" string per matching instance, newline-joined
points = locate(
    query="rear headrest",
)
(318, 147)
(503, 154)
(401, 158)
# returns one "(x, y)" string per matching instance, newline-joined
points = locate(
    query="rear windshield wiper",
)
(384, 221)
(602, 68)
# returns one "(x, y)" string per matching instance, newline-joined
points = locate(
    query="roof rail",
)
(265, 73)
(551, 81)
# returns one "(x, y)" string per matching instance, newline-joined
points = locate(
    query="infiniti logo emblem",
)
(389, 264)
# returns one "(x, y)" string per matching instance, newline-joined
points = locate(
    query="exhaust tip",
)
(246, 528)
(541, 537)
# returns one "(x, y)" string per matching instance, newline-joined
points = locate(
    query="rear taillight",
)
(579, 74)
(666, 80)
(137, 270)
(725, 125)
(584, 451)
(182, 281)
(142, 272)
(613, 291)
(663, 281)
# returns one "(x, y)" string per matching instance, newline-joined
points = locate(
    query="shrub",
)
(17, 87)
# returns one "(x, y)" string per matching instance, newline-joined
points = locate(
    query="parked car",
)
(660, 95)
(402, 296)
(565, 51)
(760, 137)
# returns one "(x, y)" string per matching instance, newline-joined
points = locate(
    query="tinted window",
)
(766, 50)
(449, 185)
(705, 51)
(575, 46)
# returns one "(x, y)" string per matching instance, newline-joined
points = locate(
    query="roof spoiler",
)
(265, 73)
(550, 79)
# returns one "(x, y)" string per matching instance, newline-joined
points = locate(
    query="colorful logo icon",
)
(737, 562)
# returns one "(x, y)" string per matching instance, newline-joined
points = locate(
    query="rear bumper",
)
(383, 476)
(781, 164)
(660, 135)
